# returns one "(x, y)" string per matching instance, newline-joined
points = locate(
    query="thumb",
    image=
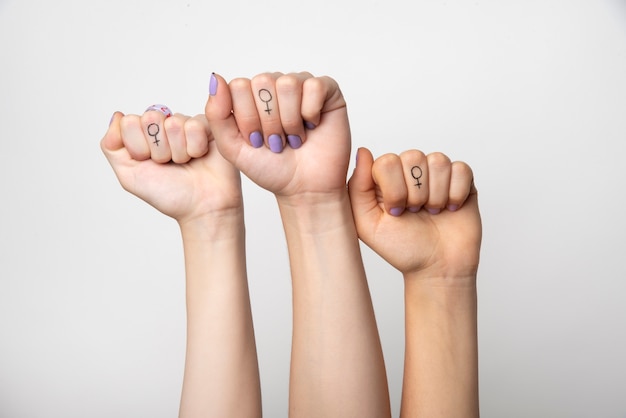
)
(362, 191)
(218, 112)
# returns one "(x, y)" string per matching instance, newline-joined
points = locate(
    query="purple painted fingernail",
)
(294, 141)
(276, 143)
(256, 139)
(213, 85)
(160, 108)
(452, 208)
(414, 209)
(309, 125)
(434, 211)
(396, 211)
(112, 117)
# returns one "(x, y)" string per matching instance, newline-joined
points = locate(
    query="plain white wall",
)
(532, 94)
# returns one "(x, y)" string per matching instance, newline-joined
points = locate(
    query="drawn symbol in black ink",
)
(266, 97)
(416, 173)
(153, 130)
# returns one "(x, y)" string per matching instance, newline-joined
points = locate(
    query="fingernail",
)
(294, 141)
(396, 211)
(256, 139)
(213, 85)
(309, 125)
(112, 117)
(452, 208)
(276, 143)
(434, 211)
(160, 108)
(414, 209)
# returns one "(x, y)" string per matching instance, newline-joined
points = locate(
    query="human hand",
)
(419, 212)
(288, 133)
(171, 163)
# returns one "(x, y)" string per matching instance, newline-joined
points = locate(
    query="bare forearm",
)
(337, 364)
(221, 371)
(441, 358)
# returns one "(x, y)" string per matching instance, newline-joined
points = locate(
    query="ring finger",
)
(289, 90)
(177, 142)
(439, 167)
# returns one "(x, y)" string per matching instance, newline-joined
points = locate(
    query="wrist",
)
(215, 226)
(446, 294)
(443, 274)
(316, 212)
(440, 279)
(312, 199)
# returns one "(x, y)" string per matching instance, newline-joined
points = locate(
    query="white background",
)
(532, 94)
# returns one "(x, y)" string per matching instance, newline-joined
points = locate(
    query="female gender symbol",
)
(156, 140)
(417, 177)
(266, 97)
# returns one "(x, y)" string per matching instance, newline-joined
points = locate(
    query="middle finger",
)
(264, 92)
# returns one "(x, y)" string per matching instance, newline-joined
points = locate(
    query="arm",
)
(425, 222)
(337, 369)
(297, 145)
(441, 353)
(221, 372)
(202, 192)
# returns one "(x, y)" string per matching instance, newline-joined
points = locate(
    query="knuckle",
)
(193, 123)
(386, 161)
(262, 79)
(412, 156)
(193, 126)
(128, 121)
(314, 84)
(239, 84)
(173, 126)
(462, 169)
(287, 84)
(438, 160)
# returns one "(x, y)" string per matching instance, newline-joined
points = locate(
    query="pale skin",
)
(337, 367)
(185, 177)
(431, 233)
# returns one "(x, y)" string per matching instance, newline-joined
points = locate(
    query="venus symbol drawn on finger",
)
(416, 173)
(154, 132)
(266, 97)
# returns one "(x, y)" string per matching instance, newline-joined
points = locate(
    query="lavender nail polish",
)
(434, 211)
(414, 209)
(396, 211)
(276, 143)
(256, 139)
(452, 208)
(213, 85)
(111, 120)
(309, 125)
(294, 141)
